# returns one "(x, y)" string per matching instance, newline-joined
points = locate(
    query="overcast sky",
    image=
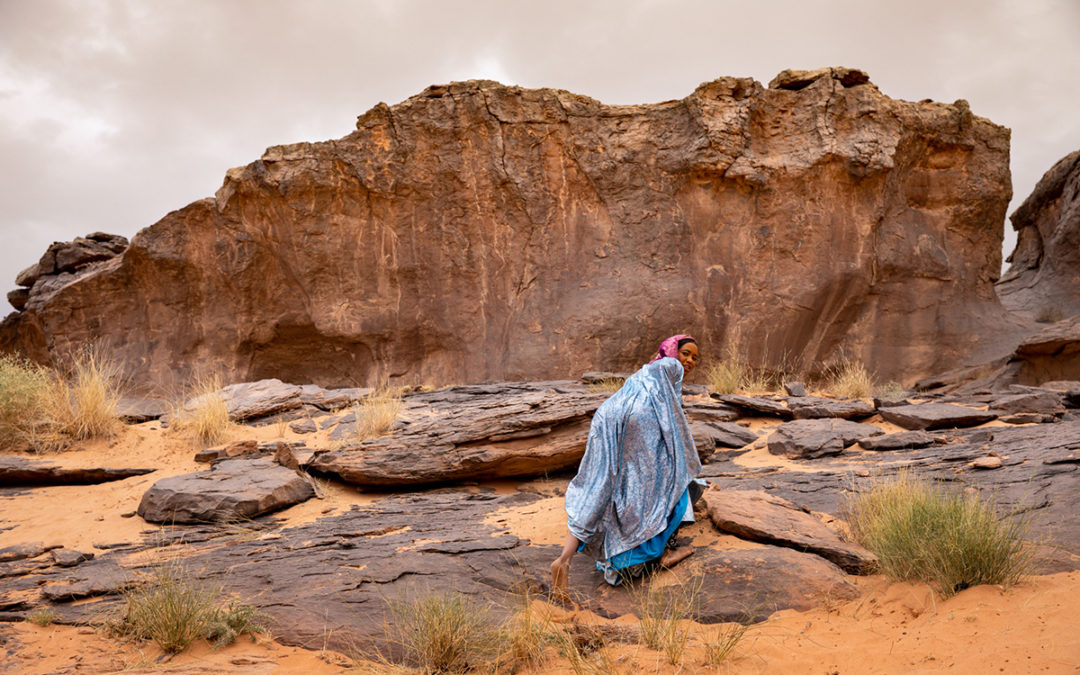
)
(114, 113)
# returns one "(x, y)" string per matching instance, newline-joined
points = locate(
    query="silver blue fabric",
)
(639, 460)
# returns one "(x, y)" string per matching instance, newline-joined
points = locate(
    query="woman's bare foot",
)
(560, 576)
(674, 556)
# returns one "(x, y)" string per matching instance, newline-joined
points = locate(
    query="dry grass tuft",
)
(376, 414)
(720, 646)
(42, 409)
(83, 405)
(42, 617)
(174, 610)
(727, 376)
(666, 615)
(923, 530)
(607, 384)
(850, 379)
(202, 414)
(445, 632)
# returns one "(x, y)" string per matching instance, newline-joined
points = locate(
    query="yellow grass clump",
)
(44, 409)
(202, 413)
(923, 530)
(850, 379)
(376, 414)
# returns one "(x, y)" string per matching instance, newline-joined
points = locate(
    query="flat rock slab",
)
(720, 435)
(19, 472)
(709, 411)
(97, 577)
(809, 439)
(24, 551)
(813, 408)
(496, 430)
(904, 440)
(234, 489)
(332, 399)
(251, 400)
(756, 404)
(759, 516)
(1040, 402)
(935, 416)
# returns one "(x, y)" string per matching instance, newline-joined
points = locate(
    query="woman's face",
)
(688, 357)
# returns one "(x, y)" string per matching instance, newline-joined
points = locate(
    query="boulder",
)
(935, 416)
(722, 435)
(66, 557)
(905, 440)
(470, 432)
(1042, 402)
(795, 388)
(811, 407)
(252, 400)
(808, 439)
(519, 233)
(140, 409)
(758, 516)
(234, 489)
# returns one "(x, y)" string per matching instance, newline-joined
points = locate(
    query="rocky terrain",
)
(480, 232)
(475, 502)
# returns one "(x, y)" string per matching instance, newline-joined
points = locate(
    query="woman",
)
(635, 484)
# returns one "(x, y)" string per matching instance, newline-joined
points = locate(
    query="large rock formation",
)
(1043, 282)
(477, 231)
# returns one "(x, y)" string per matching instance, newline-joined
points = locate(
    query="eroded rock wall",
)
(477, 231)
(1043, 281)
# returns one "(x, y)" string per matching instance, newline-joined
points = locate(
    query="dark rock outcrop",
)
(477, 231)
(935, 416)
(808, 439)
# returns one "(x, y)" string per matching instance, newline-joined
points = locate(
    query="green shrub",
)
(922, 530)
(24, 388)
(174, 610)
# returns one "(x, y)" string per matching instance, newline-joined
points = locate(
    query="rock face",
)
(1043, 282)
(477, 232)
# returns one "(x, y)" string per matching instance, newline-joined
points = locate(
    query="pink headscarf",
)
(670, 347)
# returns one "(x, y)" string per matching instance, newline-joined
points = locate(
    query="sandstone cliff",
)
(477, 231)
(1043, 282)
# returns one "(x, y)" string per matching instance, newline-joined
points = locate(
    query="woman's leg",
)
(560, 569)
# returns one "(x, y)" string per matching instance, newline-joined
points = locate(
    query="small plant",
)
(607, 384)
(727, 376)
(42, 617)
(234, 620)
(720, 646)
(850, 379)
(376, 414)
(203, 414)
(23, 390)
(83, 405)
(665, 615)
(174, 610)
(445, 632)
(891, 390)
(921, 530)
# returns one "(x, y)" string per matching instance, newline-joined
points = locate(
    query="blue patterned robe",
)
(639, 462)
